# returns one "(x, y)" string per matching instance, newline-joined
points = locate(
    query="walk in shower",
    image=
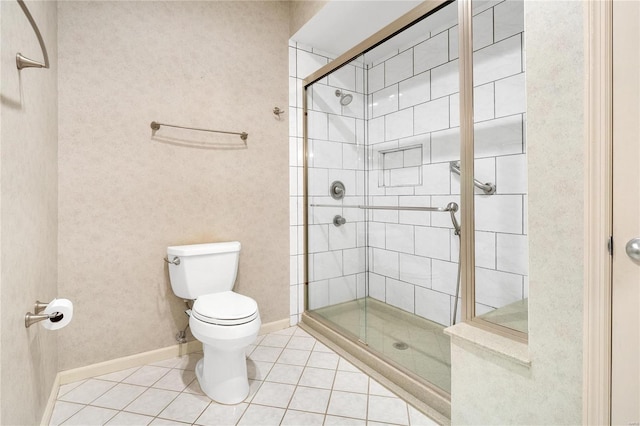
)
(383, 187)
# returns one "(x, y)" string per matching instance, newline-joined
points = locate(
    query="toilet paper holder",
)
(30, 319)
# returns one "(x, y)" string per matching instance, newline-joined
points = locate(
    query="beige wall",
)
(125, 196)
(301, 11)
(491, 390)
(28, 213)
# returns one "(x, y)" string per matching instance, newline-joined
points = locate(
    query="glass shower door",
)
(382, 245)
(335, 188)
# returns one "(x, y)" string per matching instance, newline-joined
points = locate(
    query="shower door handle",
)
(633, 249)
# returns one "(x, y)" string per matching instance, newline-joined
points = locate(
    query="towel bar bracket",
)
(23, 61)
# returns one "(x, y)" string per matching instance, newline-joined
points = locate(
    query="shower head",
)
(345, 98)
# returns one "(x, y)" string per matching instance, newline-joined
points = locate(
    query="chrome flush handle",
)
(175, 261)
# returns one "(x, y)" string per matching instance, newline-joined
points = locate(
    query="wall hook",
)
(277, 112)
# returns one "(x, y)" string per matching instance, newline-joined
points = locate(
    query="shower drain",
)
(400, 346)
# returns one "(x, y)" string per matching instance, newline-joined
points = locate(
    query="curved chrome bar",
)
(488, 188)
(24, 62)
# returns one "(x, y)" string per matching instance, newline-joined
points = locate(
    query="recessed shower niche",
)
(389, 279)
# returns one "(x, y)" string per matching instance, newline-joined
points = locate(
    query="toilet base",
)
(222, 375)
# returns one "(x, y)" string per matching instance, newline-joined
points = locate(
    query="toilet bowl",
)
(224, 321)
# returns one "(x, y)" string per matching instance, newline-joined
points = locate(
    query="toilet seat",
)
(225, 308)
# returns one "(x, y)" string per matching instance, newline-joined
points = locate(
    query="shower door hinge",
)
(610, 246)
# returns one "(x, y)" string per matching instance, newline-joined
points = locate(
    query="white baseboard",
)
(137, 360)
(270, 327)
(51, 402)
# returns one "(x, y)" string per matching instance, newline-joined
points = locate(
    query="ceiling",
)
(341, 24)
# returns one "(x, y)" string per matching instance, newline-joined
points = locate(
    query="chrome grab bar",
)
(24, 62)
(488, 188)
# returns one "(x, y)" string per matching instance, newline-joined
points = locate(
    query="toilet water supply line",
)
(181, 337)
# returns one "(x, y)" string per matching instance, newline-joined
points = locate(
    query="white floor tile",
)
(418, 419)
(69, 387)
(165, 422)
(185, 408)
(321, 347)
(300, 418)
(265, 354)
(119, 396)
(118, 376)
(254, 387)
(301, 333)
(258, 370)
(261, 415)
(302, 343)
(310, 399)
(285, 331)
(306, 383)
(146, 376)
(323, 360)
(351, 382)
(188, 362)
(282, 373)
(152, 402)
(194, 387)
(90, 416)
(388, 410)
(88, 391)
(343, 421)
(294, 357)
(175, 380)
(317, 378)
(376, 388)
(274, 395)
(275, 340)
(221, 415)
(348, 405)
(345, 365)
(62, 411)
(123, 418)
(167, 363)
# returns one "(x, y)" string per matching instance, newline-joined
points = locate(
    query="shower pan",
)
(382, 263)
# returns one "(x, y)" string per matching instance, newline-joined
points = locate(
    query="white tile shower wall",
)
(414, 255)
(412, 99)
(336, 135)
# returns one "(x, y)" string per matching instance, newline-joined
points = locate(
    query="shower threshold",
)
(406, 353)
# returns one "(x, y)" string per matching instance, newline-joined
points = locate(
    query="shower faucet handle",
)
(339, 220)
(337, 190)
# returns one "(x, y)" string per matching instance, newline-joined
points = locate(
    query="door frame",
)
(598, 212)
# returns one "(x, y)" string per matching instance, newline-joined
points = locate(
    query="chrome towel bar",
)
(410, 208)
(24, 62)
(451, 208)
(156, 126)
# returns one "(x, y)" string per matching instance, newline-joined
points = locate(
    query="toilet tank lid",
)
(198, 249)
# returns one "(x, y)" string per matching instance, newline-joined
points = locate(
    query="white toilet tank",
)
(203, 269)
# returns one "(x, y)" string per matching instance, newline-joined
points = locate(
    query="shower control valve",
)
(339, 220)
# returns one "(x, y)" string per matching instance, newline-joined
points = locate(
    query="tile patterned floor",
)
(295, 380)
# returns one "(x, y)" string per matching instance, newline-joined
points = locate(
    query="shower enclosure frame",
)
(467, 193)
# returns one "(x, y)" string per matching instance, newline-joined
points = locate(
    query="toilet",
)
(225, 322)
